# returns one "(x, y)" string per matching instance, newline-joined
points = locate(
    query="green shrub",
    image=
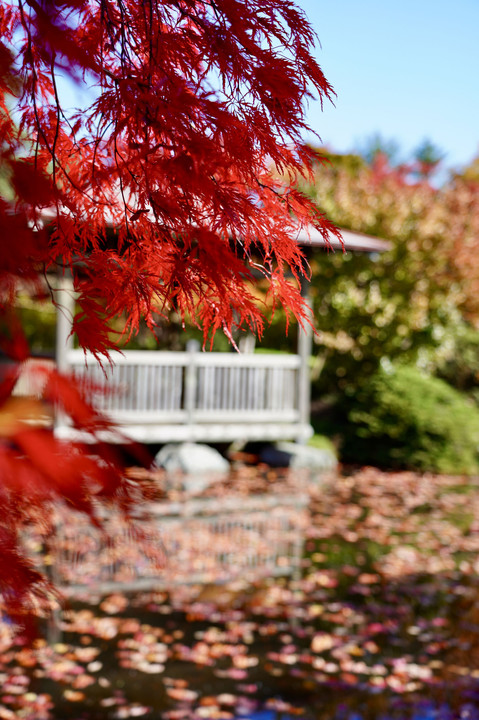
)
(407, 419)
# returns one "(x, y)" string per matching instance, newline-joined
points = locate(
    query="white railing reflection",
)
(170, 544)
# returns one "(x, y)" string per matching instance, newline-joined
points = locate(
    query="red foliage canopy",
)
(192, 105)
(196, 109)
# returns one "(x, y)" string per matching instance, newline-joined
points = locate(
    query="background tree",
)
(427, 158)
(376, 145)
(156, 192)
(414, 305)
(380, 306)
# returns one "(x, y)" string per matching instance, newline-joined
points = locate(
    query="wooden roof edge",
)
(353, 241)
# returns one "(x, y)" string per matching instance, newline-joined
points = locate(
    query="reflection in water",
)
(421, 709)
(381, 624)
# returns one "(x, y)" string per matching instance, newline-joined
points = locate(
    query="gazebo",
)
(162, 396)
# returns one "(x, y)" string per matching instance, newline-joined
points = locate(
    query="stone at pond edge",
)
(199, 465)
(303, 456)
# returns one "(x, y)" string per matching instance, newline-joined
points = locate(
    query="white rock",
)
(195, 466)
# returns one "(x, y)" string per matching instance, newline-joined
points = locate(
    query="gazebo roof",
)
(352, 241)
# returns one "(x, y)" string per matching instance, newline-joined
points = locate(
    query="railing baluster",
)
(156, 387)
(165, 397)
(226, 397)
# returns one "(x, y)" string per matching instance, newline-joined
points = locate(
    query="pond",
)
(383, 623)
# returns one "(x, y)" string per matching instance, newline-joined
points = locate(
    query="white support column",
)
(65, 306)
(305, 347)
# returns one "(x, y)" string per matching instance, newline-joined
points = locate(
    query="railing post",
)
(54, 631)
(191, 381)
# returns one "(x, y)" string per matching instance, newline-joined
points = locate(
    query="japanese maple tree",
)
(163, 190)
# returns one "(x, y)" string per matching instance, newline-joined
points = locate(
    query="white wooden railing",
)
(160, 396)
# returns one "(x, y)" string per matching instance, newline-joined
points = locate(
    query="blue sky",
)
(408, 70)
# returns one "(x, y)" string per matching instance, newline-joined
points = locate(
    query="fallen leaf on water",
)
(182, 694)
(73, 695)
(322, 642)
